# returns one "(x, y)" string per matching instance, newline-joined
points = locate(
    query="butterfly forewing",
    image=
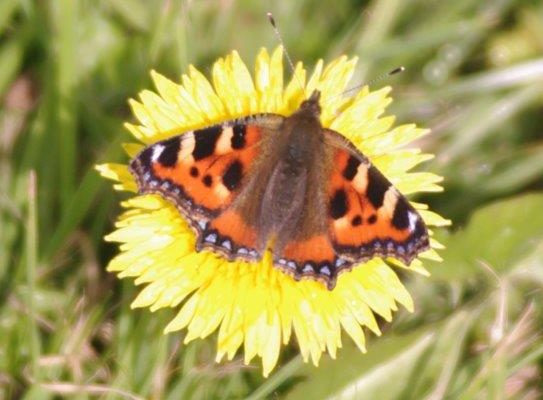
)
(202, 173)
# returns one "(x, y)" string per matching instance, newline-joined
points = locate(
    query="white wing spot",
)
(211, 238)
(325, 270)
(413, 218)
(307, 268)
(157, 151)
(223, 145)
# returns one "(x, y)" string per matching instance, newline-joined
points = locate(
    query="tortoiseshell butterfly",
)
(284, 183)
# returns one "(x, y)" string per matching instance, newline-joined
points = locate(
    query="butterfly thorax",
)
(301, 138)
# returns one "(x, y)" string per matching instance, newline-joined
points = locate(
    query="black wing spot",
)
(420, 229)
(144, 158)
(233, 174)
(338, 205)
(377, 187)
(194, 172)
(205, 141)
(356, 221)
(400, 218)
(168, 157)
(208, 180)
(372, 219)
(351, 169)
(238, 138)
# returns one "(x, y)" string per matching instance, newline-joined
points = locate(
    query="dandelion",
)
(253, 304)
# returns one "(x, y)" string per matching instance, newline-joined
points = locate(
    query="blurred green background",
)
(474, 75)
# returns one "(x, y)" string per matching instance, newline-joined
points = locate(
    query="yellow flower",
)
(255, 304)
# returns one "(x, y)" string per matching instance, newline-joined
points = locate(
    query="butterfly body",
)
(284, 183)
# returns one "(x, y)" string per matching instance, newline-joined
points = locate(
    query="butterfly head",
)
(312, 105)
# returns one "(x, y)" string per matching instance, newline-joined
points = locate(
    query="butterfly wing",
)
(203, 173)
(365, 217)
(368, 216)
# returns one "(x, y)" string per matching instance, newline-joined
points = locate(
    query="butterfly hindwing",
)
(201, 172)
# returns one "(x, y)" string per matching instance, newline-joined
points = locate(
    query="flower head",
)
(255, 304)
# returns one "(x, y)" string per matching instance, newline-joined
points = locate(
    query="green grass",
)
(474, 74)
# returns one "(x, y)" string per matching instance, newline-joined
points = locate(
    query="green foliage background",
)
(474, 76)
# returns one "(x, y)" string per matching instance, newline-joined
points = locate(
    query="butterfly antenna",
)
(395, 71)
(280, 39)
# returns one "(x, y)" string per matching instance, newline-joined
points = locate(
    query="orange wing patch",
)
(317, 248)
(210, 182)
(199, 171)
(229, 236)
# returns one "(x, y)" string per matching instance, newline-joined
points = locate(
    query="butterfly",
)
(287, 184)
